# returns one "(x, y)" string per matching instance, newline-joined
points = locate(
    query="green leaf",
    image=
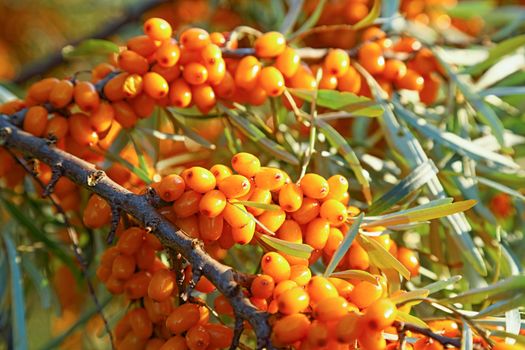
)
(503, 306)
(336, 140)
(520, 339)
(18, 319)
(342, 101)
(467, 339)
(469, 9)
(408, 318)
(369, 19)
(294, 10)
(355, 275)
(382, 258)
(500, 187)
(188, 132)
(161, 135)
(456, 143)
(504, 48)
(90, 47)
(39, 235)
(259, 205)
(413, 294)
(344, 246)
(417, 178)
(144, 176)
(503, 289)
(257, 136)
(299, 250)
(311, 20)
(142, 160)
(442, 284)
(6, 95)
(40, 282)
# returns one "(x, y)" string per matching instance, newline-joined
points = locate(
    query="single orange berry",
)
(291, 328)
(171, 187)
(168, 54)
(336, 62)
(293, 301)
(157, 29)
(320, 288)
(180, 93)
(199, 179)
(262, 286)
(288, 62)
(247, 72)
(270, 45)
(212, 203)
(195, 38)
(204, 97)
(61, 94)
(334, 211)
(291, 197)
(86, 96)
(262, 196)
(155, 85)
(411, 81)
(314, 186)
(246, 164)
(35, 120)
(365, 293)
(183, 318)
(132, 62)
(187, 204)
(380, 314)
(195, 73)
(271, 179)
(220, 172)
(308, 211)
(274, 265)
(290, 231)
(244, 235)
(271, 81)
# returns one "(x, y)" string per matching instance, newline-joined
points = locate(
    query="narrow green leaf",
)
(144, 176)
(504, 48)
(337, 141)
(413, 294)
(161, 135)
(469, 9)
(355, 274)
(295, 249)
(342, 101)
(500, 187)
(311, 20)
(259, 205)
(382, 258)
(344, 246)
(294, 10)
(442, 284)
(20, 336)
(257, 136)
(501, 307)
(467, 339)
(408, 318)
(90, 47)
(40, 282)
(188, 132)
(417, 178)
(508, 287)
(140, 156)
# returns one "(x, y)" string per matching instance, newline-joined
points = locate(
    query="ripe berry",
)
(370, 56)
(130, 240)
(409, 259)
(336, 62)
(180, 93)
(320, 288)
(290, 231)
(247, 72)
(142, 44)
(272, 219)
(430, 91)
(308, 211)
(81, 131)
(124, 114)
(132, 62)
(234, 186)
(61, 94)
(262, 286)
(197, 338)
(204, 97)
(211, 54)
(314, 186)
(123, 267)
(350, 81)
(35, 120)
(216, 72)
(394, 69)
(334, 211)
(411, 81)
(288, 62)
(317, 232)
(348, 328)
(262, 196)
(244, 234)
(57, 126)
(274, 265)
(183, 318)
(300, 274)
(331, 309)
(97, 212)
(210, 228)
(140, 323)
(270, 178)
(335, 237)
(195, 39)
(380, 314)
(155, 85)
(246, 164)
(212, 203)
(358, 257)
(365, 293)
(86, 96)
(168, 54)
(171, 187)
(199, 179)
(220, 336)
(187, 204)
(236, 215)
(271, 81)
(195, 73)
(270, 45)
(291, 328)
(220, 172)
(157, 29)
(39, 91)
(293, 301)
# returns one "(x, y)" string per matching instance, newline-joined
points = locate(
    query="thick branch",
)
(138, 206)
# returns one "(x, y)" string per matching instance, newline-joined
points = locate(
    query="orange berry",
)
(372, 33)
(300, 274)
(358, 257)
(61, 94)
(133, 85)
(210, 228)
(57, 126)
(270, 178)
(236, 215)
(350, 81)
(234, 186)
(288, 62)
(145, 257)
(274, 265)
(291, 197)
(35, 120)
(394, 69)
(371, 340)
(409, 259)
(222, 305)
(124, 114)
(195, 73)
(171, 187)
(132, 62)
(272, 81)
(336, 62)
(272, 219)
(212, 203)
(430, 91)
(199, 179)
(244, 234)
(155, 85)
(303, 79)
(308, 211)
(291, 328)
(220, 336)
(317, 232)
(140, 323)
(157, 29)
(86, 96)
(220, 172)
(334, 211)
(348, 328)
(216, 72)
(39, 91)
(226, 88)
(195, 38)
(320, 288)
(335, 237)
(247, 72)
(180, 93)
(97, 212)
(262, 286)
(204, 97)
(211, 54)
(177, 342)
(355, 12)
(217, 38)
(183, 318)
(338, 185)
(197, 338)
(187, 204)
(262, 196)
(168, 54)
(380, 314)
(270, 45)
(142, 44)
(314, 186)
(290, 231)
(331, 309)
(246, 164)
(365, 293)
(113, 90)
(411, 81)
(130, 240)
(370, 56)
(123, 267)
(293, 301)
(81, 131)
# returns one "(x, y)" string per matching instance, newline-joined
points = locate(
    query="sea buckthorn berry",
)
(300, 274)
(270, 45)
(320, 288)
(448, 328)
(262, 196)
(132, 62)
(210, 228)
(331, 309)
(290, 231)
(220, 172)
(288, 62)
(260, 304)
(81, 131)
(262, 286)
(97, 212)
(338, 185)
(39, 91)
(221, 336)
(130, 240)
(370, 56)
(57, 126)
(154, 344)
(272, 219)
(350, 81)
(197, 338)
(187, 204)
(133, 85)
(157, 29)
(222, 305)
(348, 329)
(336, 62)
(123, 267)
(234, 186)
(355, 12)
(189, 225)
(255, 97)
(358, 257)
(168, 73)
(293, 301)
(61, 94)
(270, 178)
(243, 235)
(380, 314)
(369, 340)
(183, 318)
(334, 211)
(308, 211)
(142, 44)
(365, 293)
(155, 85)
(195, 73)
(335, 237)
(145, 257)
(373, 34)
(291, 197)
(132, 341)
(204, 97)
(140, 323)
(272, 81)
(180, 93)
(314, 186)
(217, 39)
(124, 114)
(212, 203)
(430, 91)
(274, 265)
(247, 72)
(176, 342)
(303, 79)
(113, 90)
(195, 39)
(319, 335)
(409, 259)
(328, 82)
(35, 120)
(317, 232)
(411, 81)
(291, 328)
(394, 69)
(216, 72)
(168, 54)
(236, 215)
(246, 164)
(171, 187)
(86, 96)
(211, 54)
(200, 179)
(226, 88)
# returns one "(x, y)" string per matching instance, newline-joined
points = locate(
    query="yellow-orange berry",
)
(380, 314)
(168, 54)
(293, 301)
(334, 211)
(195, 39)
(61, 94)
(35, 120)
(336, 62)
(270, 178)
(269, 45)
(291, 328)
(274, 265)
(317, 232)
(331, 309)
(288, 62)
(314, 186)
(262, 286)
(180, 93)
(157, 29)
(199, 179)
(171, 187)
(271, 81)
(212, 203)
(155, 85)
(247, 72)
(234, 186)
(246, 164)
